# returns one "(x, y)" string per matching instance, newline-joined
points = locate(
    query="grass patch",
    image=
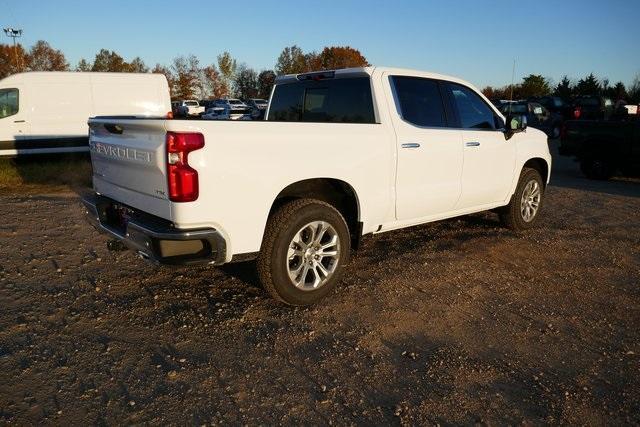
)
(45, 174)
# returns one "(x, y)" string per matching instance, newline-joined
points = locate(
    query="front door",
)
(13, 120)
(489, 158)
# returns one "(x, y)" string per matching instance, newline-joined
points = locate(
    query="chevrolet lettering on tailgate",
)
(123, 153)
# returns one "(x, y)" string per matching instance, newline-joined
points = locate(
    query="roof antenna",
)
(513, 74)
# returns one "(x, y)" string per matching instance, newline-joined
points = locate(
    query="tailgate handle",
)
(113, 128)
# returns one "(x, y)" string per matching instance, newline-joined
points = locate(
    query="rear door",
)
(489, 158)
(429, 154)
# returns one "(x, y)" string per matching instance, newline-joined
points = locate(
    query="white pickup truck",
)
(189, 108)
(341, 154)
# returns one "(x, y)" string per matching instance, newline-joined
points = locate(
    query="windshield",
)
(515, 108)
(589, 102)
(235, 102)
(260, 101)
(191, 104)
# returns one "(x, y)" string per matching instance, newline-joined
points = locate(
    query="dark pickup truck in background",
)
(603, 147)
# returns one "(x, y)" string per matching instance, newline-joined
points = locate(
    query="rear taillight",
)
(182, 178)
(577, 112)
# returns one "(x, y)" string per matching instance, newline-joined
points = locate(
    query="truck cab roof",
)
(352, 72)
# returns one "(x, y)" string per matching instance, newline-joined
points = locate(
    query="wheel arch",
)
(541, 165)
(336, 192)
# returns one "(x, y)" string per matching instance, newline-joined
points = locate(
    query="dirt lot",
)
(455, 322)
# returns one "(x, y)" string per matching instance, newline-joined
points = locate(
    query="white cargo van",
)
(47, 112)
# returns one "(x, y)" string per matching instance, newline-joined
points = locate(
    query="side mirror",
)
(515, 123)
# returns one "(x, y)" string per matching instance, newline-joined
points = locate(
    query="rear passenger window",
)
(8, 102)
(420, 101)
(340, 100)
(474, 112)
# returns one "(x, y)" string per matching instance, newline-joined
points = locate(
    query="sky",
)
(474, 40)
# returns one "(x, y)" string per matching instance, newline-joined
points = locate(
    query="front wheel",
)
(524, 207)
(305, 246)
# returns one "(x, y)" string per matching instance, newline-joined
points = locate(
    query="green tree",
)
(227, 67)
(489, 92)
(616, 92)
(83, 65)
(214, 85)
(245, 83)
(12, 59)
(634, 90)
(266, 80)
(564, 89)
(42, 57)
(138, 66)
(109, 61)
(292, 60)
(187, 83)
(589, 86)
(534, 85)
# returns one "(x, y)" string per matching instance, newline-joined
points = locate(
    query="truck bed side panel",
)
(245, 165)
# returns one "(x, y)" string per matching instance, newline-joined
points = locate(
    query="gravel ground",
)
(459, 321)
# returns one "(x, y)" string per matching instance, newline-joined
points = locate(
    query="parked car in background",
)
(234, 108)
(592, 108)
(47, 112)
(214, 113)
(225, 113)
(258, 107)
(603, 147)
(207, 104)
(555, 105)
(340, 155)
(189, 108)
(174, 108)
(537, 116)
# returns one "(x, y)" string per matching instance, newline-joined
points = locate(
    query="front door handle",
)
(472, 144)
(19, 121)
(410, 145)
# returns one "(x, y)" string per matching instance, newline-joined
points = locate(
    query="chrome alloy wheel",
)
(313, 255)
(530, 201)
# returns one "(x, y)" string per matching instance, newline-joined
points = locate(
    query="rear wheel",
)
(524, 207)
(305, 246)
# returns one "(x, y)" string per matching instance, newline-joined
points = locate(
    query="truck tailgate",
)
(129, 162)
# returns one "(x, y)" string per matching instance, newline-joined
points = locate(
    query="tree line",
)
(535, 85)
(188, 77)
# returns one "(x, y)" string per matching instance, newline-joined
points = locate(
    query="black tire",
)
(511, 215)
(282, 227)
(594, 168)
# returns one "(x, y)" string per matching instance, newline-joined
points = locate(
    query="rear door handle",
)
(410, 145)
(472, 144)
(19, 121)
